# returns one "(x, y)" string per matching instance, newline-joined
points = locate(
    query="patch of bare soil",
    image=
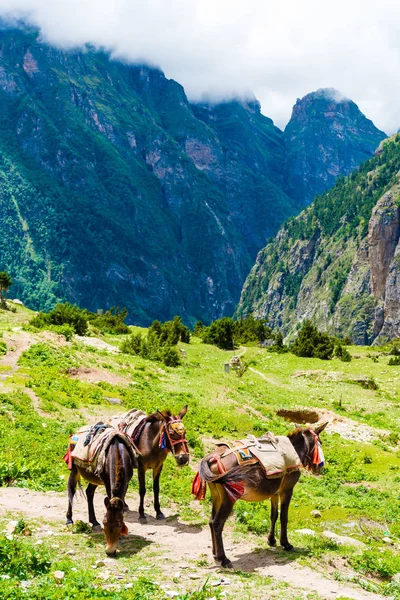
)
(181, 543)
(53, 337)
(96, 343)
(345, 427)
(94, 375)
(363, 380)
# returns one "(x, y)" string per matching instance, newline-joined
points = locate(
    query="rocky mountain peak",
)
(326, 136)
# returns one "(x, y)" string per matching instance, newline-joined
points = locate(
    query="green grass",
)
(361, 481)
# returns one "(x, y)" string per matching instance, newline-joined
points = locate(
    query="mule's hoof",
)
(126, 507)
(97, 528)
(226, 564)
(69, 522)
(288, 547)
(160, 516)
(143, 519)
(271, 542)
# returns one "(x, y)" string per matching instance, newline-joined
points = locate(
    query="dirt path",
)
(181, 543)
(17, 342)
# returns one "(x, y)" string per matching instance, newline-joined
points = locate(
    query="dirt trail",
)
(181, 543)
(17, 342)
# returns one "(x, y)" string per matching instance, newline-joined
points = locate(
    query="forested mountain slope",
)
(115, 190)
(338, 262)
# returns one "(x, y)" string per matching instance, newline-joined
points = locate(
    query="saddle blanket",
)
(275, 453)
(90, 450)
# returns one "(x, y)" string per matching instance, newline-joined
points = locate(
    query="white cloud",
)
(219, 48)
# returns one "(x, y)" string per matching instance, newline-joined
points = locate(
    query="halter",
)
(177, 426)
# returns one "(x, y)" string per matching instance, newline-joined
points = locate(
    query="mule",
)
(161, 433)
(115, 476)
(250, 483)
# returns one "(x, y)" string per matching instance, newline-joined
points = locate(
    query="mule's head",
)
(308, 446)
(175, 436)
(113, 523)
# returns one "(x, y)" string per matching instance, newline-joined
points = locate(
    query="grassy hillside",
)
(357, 496)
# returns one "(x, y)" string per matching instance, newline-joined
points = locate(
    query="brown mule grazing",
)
(253, 486)
(115, 476)
(162, 433)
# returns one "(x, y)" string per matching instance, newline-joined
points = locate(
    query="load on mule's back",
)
(254, 470)
(102, 455)
(106, 454)
(155, 436)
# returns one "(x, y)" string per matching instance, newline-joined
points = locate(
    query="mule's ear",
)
(107, 502)
(298, 426)
(163, 417)
(183, 412)
(117, 504)
(320, 427)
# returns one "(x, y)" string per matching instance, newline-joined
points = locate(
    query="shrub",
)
(111, 321)
(342, 353)
(312, 343)
(159, 344)
(395, 361)
(171, 356)
(3, 348)
(62, 314)
(220, 333)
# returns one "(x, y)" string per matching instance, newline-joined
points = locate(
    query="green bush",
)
(342, 353)
(312, 343)
(111, 321)
(226, 332)
(220, 333)
(62, 314)
(395, 361)
(3, 348)
(159, 343)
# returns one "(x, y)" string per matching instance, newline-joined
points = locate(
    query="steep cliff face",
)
(327, 136)
(338, 262)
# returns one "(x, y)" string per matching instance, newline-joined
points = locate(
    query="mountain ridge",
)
(116, 190)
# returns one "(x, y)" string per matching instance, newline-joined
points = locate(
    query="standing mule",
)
(229, 481)
(115, 476)
(159, 434)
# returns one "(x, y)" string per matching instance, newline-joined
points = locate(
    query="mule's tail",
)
(234, 480)
(204, 475)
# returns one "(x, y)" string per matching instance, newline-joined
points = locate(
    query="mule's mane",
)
(156, 416)
(299, 430)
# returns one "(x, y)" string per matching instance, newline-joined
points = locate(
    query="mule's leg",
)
(142, 491)
(211, 522)
(71, 488)
(286, 496)
(90, 490)
(274, 516)
(222, 512)
(156, 490)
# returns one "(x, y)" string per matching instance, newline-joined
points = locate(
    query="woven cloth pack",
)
(129, 423)
(91, 444)
(275, 453)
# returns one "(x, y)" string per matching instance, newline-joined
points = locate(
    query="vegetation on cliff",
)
(321, 264)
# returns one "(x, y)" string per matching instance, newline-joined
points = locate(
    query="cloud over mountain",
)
(231, 47)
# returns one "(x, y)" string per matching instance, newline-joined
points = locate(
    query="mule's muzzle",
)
(182, 459)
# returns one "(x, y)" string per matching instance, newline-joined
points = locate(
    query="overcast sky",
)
(279, 50)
